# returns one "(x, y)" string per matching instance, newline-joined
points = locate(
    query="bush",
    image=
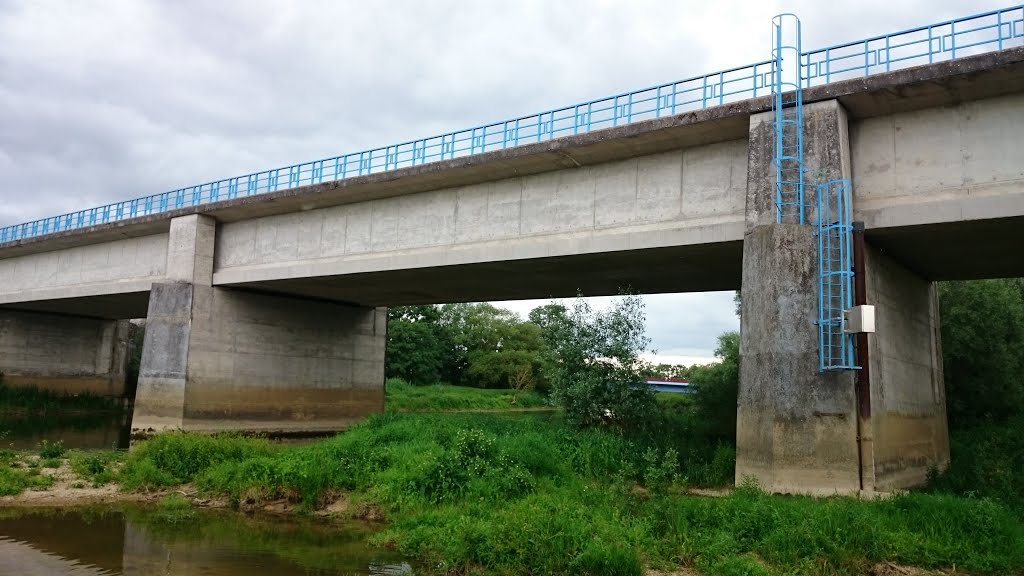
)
(717, 388)
(178, 457)
(97, 466)
(982, 349)
(599, 375)
(49, 450)
(986, 461)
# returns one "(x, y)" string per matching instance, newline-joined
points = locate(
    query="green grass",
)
(98, 467)
(34, 400)
(513, 494)
(15, 479)
(404, 397)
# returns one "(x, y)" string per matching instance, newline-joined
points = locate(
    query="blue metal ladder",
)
(833, 220)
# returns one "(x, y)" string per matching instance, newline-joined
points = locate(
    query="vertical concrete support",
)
(907, 433)
(796, 427)
(222, 359)
(65, 354)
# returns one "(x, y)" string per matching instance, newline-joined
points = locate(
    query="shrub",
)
(177, 458)
(598, 378)
(48, 450)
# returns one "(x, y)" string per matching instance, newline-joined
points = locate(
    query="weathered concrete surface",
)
(943, 188)
(65, 354)
(223, 359)
(116, 267)
(220, 359)
(907, 433)
(796, 428)
(681, 198)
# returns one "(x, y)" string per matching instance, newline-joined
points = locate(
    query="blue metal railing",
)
(942, 41)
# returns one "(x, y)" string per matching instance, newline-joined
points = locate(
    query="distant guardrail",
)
(937, 42)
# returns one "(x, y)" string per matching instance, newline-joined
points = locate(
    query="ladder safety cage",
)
(835, 276)
(787, 108)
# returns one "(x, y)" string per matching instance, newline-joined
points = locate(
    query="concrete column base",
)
(63, 354)
(220, 359)
(796, 427)
(906, 432)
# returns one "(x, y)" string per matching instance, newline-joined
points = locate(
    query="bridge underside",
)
(701, 268)
(967, 250)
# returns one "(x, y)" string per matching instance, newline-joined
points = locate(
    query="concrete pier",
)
(62, 353)
(225, 359)
(799, 429)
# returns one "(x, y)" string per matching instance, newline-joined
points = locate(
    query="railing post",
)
(887, 57)
(930, 51)
(999, 27)
(952, 38)
(867, 67)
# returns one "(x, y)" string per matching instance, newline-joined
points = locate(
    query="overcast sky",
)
(104, 101)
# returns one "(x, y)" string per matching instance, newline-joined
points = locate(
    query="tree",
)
(417, 344)
(982, 349)
(598, 378)
(717, 388)
(490, 345)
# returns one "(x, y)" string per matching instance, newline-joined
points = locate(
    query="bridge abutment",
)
(63, 353)
(224, 359)
(801, 430)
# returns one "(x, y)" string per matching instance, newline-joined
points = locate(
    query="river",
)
(139, 541)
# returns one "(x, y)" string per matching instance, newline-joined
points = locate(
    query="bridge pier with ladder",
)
(805, 420)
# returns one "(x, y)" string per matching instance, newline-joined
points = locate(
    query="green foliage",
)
(986, 461)
(716, 386)
(660, 471)
(982, 349)
(532, 494)
(599, 375)
(97, 466)
(176, 458)
(14, 479)
(175, 508)
(404, 397)
(491, 345)
(738, 566)
(476, 345)
(51, 462)
(417, 344)
(598, 559)
(49, 449)
(667, 371)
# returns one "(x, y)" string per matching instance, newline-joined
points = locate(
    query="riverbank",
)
(512, 494)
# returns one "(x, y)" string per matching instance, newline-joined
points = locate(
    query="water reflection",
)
(76, 430)
(136, 542)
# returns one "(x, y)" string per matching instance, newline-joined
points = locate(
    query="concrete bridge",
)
(268, 312)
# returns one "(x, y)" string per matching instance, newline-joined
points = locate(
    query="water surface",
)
(144, 541)
(24, 431)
